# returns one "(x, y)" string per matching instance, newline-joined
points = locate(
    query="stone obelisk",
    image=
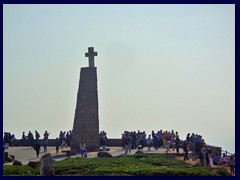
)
(86, 122)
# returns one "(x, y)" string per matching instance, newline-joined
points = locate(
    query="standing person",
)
(172, 138)
(61, 137)
(160, 139)
(198, 141)
(45, 140)
(68, 139)
(224, 160)
(85, 154)
(155, 141)
(232, 165)
(37, 147)
(129, 143)
(168, 144)
(177, 143)
(123, 141)
(37, 135)
(188, 138)
(57, 145)
(103, 141)
(210, 158)
(82, 148)
(207, 156)
(12, 138)
(23, 135)
(149, 143)
(216, 159)
(185, 149)
(64, 143)
(126, 147)
(6, 140)
(202, 156)
(31, 138)
(134, 139)
(164, 139)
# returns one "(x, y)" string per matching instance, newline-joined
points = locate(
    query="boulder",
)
(46, 165)
(33, 164)
(139, 152)
(17, 163)
(104, 154)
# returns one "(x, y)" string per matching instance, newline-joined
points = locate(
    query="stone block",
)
(46, 165)
(104, 154)
(34, 164)
(139, 152)
(17, 163)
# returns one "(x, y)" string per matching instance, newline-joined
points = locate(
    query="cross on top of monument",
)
(90, 54)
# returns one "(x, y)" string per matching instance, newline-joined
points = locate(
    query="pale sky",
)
(159, 67)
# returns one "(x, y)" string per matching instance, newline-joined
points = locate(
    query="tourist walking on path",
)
(37, 147)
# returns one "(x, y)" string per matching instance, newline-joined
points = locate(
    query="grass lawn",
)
(130, 165)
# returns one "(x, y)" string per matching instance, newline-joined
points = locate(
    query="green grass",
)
(132, 165)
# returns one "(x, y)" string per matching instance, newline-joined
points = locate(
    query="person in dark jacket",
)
(57, 145)
(177, 143)
(31, 139)
(37, 135)
(188, 138)
(37, 146)
(185, 149)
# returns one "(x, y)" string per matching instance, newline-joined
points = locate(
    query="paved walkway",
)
(26, 154)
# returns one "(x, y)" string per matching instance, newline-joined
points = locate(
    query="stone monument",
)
(86, 122)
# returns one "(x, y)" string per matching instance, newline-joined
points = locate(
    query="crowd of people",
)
(165, 139)
(8, 139)
(170, 139)
(64, 139)
(133, 140)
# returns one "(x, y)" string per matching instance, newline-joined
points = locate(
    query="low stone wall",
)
(111, 143)
(25, 142)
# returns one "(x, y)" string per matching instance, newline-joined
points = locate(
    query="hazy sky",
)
(159, 67)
